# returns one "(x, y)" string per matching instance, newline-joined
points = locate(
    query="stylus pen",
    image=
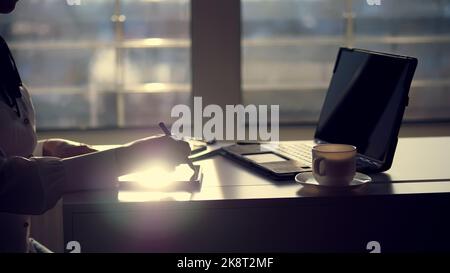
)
(168, 133)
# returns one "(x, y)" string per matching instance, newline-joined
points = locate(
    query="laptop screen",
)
(365, 100)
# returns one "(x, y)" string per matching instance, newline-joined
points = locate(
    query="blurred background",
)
(125, 63)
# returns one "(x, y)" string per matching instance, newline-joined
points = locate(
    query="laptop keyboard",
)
(302, 152)
(296, 151)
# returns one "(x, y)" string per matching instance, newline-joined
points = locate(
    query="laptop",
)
(364, 107)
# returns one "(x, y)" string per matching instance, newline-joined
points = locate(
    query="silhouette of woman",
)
(33, 175)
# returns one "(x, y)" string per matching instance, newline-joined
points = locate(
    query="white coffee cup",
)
(334, 164)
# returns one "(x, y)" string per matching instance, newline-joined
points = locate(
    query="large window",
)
(125, 63)
(289, 48)
(104, 63)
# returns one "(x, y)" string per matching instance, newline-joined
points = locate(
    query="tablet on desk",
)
(183, 178)
(363, 107)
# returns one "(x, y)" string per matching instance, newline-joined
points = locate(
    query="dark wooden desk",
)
(238, 211)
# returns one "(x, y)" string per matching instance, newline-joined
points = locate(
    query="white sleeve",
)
(30, 186)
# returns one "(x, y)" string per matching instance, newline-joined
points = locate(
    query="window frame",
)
(217, 77)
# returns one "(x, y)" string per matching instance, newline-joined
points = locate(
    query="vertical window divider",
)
(216, 51)
(349, 17)
(118, 19)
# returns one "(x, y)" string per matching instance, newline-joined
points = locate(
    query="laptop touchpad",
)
(264, 157)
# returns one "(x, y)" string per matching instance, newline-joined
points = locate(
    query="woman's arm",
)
(32, 186)
(97, 170)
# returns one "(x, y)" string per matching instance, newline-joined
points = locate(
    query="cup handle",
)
(317, 166)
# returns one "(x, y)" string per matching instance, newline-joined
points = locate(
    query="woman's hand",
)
(65, 148)
(162, 150)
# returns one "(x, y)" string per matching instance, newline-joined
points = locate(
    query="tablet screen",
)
(365, 98)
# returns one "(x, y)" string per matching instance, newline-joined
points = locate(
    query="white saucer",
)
(308, 179)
